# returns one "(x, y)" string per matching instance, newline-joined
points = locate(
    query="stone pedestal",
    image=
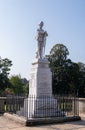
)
(40, 83)
(40, 100)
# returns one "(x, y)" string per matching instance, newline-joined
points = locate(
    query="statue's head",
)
(41, 24)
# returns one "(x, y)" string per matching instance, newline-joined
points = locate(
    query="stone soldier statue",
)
(41, 39)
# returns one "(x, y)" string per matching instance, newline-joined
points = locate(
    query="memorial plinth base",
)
(40, 101)
(43, 107)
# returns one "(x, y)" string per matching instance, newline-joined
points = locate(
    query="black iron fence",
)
(43, 106)
(14, 103)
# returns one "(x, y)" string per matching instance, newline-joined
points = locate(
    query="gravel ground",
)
(6, 124)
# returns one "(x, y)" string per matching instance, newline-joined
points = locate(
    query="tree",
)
(81, 85)
(58, 57)
(5, 65)
(26, 88)
(81, 66)
(74, 76)
(65, 73)
(26, 85)
(16, 84)
(58, 53)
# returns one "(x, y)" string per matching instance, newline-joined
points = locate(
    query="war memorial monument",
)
(41, 106)
(40, 82)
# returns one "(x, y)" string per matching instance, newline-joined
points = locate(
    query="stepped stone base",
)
(43, 107)
(40, 108)
(40, 102)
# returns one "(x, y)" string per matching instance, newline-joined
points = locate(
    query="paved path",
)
(6, 124)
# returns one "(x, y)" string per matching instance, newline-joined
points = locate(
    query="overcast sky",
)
(64, 20)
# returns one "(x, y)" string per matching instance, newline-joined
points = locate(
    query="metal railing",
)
(42, 107)
(14, 103)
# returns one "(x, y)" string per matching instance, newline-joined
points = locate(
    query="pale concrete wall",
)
(2, 102)
(81, 105)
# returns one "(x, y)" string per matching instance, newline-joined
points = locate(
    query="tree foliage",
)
(67, 76)
(59, 53)
(81, 85)
(17, 84)
(5, 65)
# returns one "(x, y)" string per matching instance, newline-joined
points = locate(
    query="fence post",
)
(75, 106)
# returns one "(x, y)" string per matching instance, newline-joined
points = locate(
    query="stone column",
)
(40, 83)
(40, 100)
